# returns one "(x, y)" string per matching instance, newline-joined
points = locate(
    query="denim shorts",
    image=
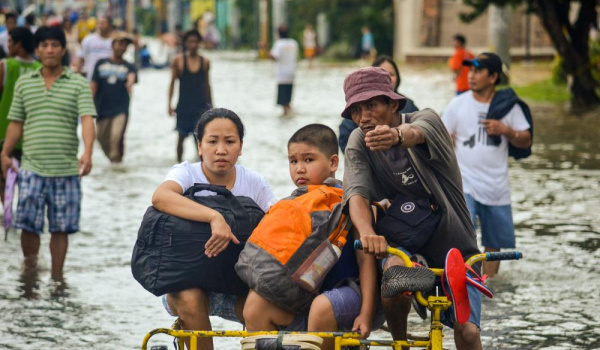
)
(497, 228)
(62, 196)
(346, 303)
(222, 305)
(448, 318)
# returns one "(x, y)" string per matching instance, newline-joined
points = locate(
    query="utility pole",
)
(263, 19)
(173, 14)
(499, 36)
(129, 16)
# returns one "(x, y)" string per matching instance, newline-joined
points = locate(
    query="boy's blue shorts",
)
(497, 228)
(346, 303)
(448, 318)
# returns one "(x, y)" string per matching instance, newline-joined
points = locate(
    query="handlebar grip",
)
(358, 244)
(496, 256)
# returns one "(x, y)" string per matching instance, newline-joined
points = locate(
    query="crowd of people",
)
(457, 164)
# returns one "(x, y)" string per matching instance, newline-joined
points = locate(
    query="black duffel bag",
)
(168, 255)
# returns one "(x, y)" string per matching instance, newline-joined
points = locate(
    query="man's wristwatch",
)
(400, 136)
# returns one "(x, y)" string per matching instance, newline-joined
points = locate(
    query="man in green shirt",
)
(47, 104)
(20, 61)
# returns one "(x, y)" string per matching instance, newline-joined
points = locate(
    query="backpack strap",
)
(238, 209)
(342, 229)
(411, 158)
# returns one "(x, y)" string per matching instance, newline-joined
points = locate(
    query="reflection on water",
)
(548, 300)
(29, 284)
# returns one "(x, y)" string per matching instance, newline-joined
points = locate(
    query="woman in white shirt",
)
(220, 134)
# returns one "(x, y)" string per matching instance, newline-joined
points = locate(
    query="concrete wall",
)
(411, 35)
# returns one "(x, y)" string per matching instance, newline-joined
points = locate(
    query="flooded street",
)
(549, 300)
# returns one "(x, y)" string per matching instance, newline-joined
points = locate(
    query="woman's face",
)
(220, 147)
(390, 69)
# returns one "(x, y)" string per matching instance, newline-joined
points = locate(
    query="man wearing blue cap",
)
(485, 124)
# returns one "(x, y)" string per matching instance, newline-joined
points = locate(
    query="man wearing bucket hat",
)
(407, 159)
(486, 125)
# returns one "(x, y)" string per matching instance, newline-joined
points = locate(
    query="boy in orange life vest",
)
(313, 157)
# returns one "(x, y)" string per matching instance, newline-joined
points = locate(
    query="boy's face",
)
(13, 47)
(192, 43)
(119, 47)
(309, 166)
(50, 52)
(11, 24)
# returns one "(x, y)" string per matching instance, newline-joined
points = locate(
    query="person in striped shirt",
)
(46, 106)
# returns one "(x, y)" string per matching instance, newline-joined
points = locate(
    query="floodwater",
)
(549, 300)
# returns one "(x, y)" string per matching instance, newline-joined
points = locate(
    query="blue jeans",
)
(497, 228)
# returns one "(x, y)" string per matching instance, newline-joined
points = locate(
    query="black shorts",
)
(284, 94)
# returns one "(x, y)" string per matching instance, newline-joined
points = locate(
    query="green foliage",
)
(558, 71)
(340, 50)
(480, 6)
(248, 10)
(147, 20)
(544, 91)
(346, 18)
(595, 62)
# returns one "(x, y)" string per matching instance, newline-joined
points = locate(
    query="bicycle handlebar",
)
(488, 256)
(496, 256)
(357, 244)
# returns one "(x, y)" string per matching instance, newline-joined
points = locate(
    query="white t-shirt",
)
(248, 182)
(309, 39)
(285, 51)
(484, 166)
(93, 48)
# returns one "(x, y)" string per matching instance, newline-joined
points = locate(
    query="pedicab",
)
(411, 278)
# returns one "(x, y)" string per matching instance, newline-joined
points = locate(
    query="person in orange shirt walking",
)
(461, 72)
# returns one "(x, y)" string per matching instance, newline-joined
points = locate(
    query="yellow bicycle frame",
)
(340, 339)
(436, 304)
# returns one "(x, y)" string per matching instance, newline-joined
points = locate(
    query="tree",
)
(570, 39)
(347, 17)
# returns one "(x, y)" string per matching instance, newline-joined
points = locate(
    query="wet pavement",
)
(549, 300)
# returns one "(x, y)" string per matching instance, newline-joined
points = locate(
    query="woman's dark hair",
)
(191, 33)
(23, 35)
(50, 33)
(384, 58)
(216, 113)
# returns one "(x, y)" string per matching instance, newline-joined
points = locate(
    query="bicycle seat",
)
(399, 279)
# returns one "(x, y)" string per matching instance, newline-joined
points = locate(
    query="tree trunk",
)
(499, 37)
(571, 42)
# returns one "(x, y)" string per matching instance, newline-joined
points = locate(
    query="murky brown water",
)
(549, 300)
